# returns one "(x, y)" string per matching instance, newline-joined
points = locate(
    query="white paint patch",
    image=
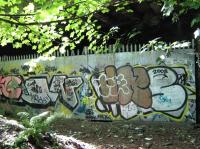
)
(129, 110)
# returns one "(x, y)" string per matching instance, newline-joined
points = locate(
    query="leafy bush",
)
(36, 127)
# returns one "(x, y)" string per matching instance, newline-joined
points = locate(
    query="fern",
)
(36, 127)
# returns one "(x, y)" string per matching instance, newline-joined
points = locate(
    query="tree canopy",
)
(55, 24)
(48, 26)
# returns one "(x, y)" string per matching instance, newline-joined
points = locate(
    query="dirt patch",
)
(132, 135)
(10, 131)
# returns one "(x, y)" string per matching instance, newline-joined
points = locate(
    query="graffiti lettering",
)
(181, 75)
(166, 87)
(125, 85)
(159, 71)
(125, 90)
(66, 86)
(37, 92)
(10, 87)
(90, 115)
(72, 82)
(164, 99)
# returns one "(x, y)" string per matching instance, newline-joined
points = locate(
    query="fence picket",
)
(111, 49)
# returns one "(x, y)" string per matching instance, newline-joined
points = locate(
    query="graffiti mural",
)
(10, 87)
(167, 93)
(97, 91)
(36, 90)
(67, 89)
(127, 90)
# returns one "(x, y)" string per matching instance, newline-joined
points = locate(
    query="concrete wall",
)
(119, 86)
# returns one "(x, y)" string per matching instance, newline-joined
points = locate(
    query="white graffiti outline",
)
(121, 86)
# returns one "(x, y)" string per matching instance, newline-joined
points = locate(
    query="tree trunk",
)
(197, 73)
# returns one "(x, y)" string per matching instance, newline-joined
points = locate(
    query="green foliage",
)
(24, 118)
(167, 49)
(2, 111)
(196, 21)
(48, 26)
(44, 24)
(177, 8)
(36, 126)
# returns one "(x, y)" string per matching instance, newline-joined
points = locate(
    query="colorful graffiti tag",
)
(127, 90)
(124, 92)
(10, 87)
(67, 89)
(36, 90)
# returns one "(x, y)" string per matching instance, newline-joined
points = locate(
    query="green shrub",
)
(35, 127)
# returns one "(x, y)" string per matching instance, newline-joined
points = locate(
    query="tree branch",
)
(42, 23)
(16, 15)
(32, 23)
